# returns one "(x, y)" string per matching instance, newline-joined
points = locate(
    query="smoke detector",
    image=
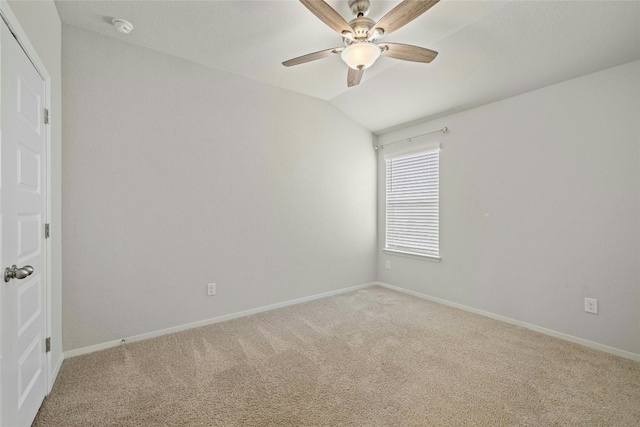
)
(122, 26)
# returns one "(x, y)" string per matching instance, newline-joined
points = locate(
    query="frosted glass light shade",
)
(360, 55)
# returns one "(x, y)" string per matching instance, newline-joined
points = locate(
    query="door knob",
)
(17, 273)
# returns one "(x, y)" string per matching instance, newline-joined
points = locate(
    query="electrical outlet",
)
(211, 289)
(591, 305)
(388, 264)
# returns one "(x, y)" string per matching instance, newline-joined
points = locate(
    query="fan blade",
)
(312, 56)
(328, 15)
(403, 13)
(354, 77)
(407, 52)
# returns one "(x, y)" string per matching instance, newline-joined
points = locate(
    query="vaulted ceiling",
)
(488, 50)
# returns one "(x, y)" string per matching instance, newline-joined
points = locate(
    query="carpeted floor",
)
(372, 357)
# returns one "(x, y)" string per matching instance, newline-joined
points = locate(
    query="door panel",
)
(29, 237)
(29, 103)
(23, 210)
(29, 166)
(30, 372)
(29, 304)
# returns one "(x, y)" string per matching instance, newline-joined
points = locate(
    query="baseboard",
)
(550, 332)
(55, 372)
(114, 343)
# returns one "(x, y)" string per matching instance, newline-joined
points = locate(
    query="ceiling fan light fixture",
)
(360, 55)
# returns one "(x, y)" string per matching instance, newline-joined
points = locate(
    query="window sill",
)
(412, 255)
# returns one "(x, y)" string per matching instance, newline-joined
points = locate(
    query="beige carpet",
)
(373, 357)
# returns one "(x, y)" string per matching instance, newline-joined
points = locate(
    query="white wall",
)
(41, 23)
(176, 175)
(539, 208)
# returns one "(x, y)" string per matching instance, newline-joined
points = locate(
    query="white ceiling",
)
(488, 50)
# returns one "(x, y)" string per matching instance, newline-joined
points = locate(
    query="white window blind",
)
(413, 203)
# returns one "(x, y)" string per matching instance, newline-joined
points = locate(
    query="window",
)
(412, 225)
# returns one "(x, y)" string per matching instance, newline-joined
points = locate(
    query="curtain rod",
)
(381, 147)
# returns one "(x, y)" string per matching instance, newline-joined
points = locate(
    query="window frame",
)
(407, 153)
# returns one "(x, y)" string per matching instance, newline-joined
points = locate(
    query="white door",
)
(22, 208)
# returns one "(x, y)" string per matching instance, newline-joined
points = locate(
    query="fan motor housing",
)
(361, 26)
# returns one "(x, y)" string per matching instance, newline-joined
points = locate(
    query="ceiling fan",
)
(361, 34)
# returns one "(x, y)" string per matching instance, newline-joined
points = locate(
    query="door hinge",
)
(47, 344)
(47, 231)
(46, 116)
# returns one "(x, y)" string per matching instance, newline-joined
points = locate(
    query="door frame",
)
(11, 20)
